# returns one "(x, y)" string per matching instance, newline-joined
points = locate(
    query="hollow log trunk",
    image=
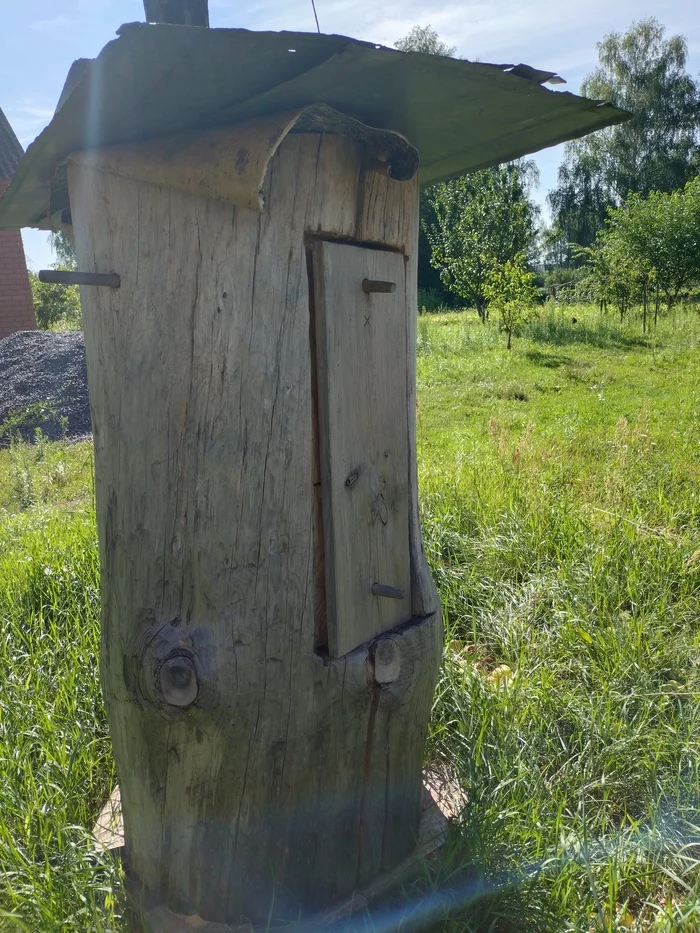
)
(254, 427)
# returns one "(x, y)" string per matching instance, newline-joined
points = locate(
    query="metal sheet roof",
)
(10, 150)
(160, 79)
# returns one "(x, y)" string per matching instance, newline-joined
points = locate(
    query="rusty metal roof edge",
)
(81, 73)
(11, 151)
(616, 116)
(33, 176)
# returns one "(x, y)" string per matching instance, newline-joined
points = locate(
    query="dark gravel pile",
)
(43, 380)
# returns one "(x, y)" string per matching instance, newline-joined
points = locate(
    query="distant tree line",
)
(625, 211)
(625, 226)
(646, 253)
(645, 73)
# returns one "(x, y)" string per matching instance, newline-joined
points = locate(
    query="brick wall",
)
(16, 306)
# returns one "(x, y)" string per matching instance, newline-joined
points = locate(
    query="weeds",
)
(563, 542)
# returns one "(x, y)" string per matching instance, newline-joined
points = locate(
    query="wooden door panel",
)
(363, 440)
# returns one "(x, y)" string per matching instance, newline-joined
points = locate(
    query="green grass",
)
(561, 512)
(560, 495)
(55, 758)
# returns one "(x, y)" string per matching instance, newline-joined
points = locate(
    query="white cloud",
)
(28, 117)
(560, 36)
(48, 25)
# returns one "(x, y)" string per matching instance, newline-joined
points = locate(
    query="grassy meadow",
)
(560, 495)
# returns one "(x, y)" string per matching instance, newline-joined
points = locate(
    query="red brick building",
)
(16, 306)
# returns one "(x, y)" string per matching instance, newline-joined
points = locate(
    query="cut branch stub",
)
(387, 661)
(178, 681)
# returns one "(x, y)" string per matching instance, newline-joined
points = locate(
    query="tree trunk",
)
(656, 306)
(510, 335)
(267, 705)
(645, 303)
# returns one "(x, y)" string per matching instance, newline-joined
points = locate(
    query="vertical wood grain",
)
(363, 441)
(268, 788)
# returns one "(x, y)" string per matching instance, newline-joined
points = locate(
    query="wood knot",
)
(178, 681)
(387, 661)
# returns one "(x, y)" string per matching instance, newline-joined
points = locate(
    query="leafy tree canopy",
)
(63, 249)
(57, 306)
(478, 223)
(650, 246)
(425, 39)
(643, 71)
(511, 292)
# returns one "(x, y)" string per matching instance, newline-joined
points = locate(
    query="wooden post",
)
(270, 633)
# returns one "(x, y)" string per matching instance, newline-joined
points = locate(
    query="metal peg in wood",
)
(375, 285)
(388, 592)
(59, 277)
(387, 661)
(178, 681)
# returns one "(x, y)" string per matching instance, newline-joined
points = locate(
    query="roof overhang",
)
(158, 80)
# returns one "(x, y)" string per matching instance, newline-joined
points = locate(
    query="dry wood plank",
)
(363, 441)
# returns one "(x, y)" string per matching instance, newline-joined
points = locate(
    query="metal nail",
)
(388, 592)
(374, 285)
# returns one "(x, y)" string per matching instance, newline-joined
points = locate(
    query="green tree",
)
(580, 201)
(63, 250)
(510, 291)
(610, 277)
(425, 39)
(643, 71)
(648, 247)
(56, 306)
(660, 238)
(480, 222)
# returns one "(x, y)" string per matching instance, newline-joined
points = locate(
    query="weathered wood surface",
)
(229, 163)
(442, 800)
(226, 164)
(363, 440)
(292, 776)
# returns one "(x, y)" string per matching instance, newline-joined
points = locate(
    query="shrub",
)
(57, 307)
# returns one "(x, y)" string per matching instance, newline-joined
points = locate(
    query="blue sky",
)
(41, 38)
